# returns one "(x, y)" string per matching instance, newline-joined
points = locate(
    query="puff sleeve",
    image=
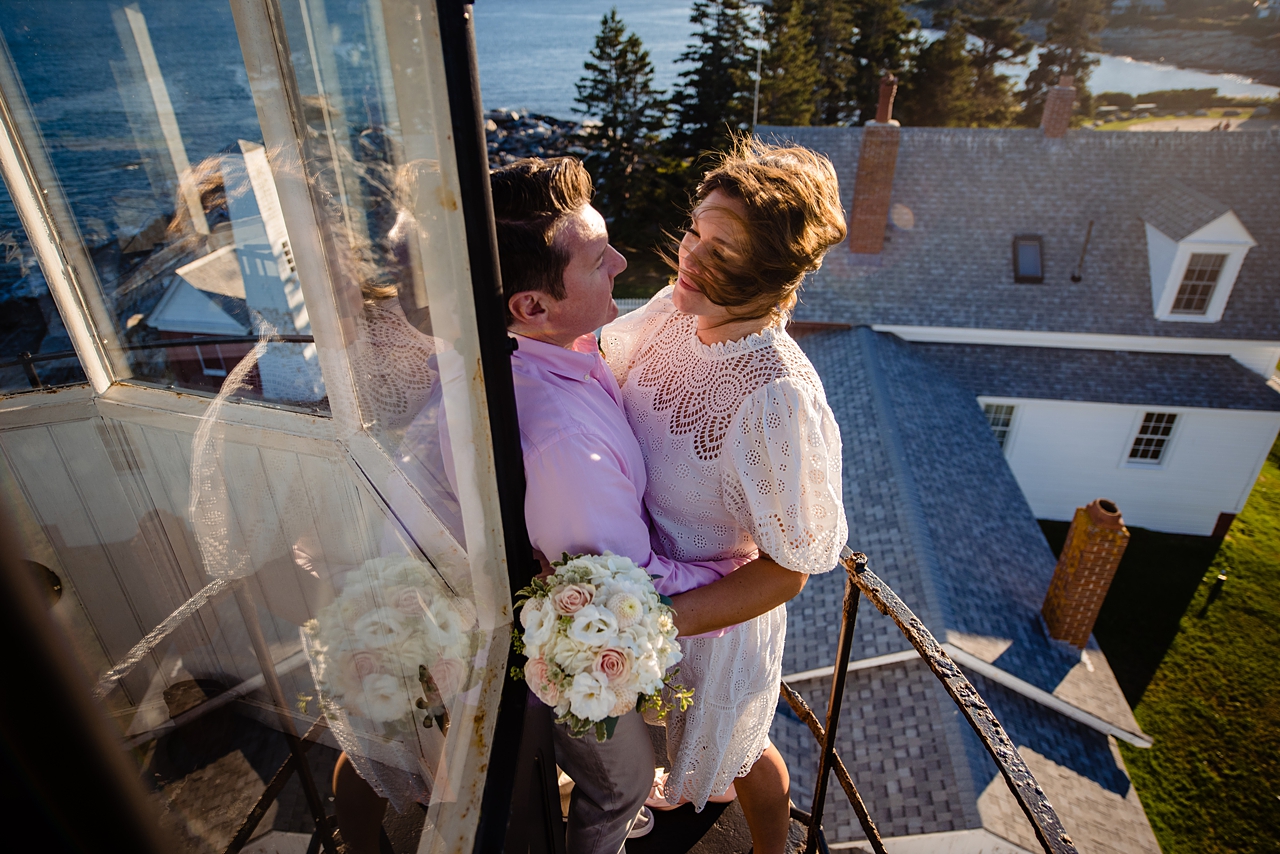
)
(781, 475)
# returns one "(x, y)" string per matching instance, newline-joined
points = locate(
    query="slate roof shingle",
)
(1177, 210)
(932, 502)
(1104, 376)
(970, 190)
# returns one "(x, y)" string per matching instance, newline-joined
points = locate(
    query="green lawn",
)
(1214, 113)
(1199, 658)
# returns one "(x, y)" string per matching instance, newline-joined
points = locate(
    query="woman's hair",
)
(792, 216)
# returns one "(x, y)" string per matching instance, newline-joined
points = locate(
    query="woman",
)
(741, 449)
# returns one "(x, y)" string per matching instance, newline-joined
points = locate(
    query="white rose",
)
(593, 626)
(378, 628)
(590, 697)
(569, 655)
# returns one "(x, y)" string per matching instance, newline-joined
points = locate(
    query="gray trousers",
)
(611, 781)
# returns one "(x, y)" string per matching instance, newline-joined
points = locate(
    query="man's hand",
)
(547, 569)
(744, 594)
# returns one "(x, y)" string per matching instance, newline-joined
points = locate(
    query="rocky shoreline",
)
(1217, 51)
(512, 134)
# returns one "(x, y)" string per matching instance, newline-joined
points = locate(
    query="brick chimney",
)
(1095, 543)
(1058, 105)
(874, 182)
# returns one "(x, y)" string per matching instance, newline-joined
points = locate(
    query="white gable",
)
(185, 309)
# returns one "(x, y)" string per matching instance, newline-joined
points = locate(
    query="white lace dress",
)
(742, 454)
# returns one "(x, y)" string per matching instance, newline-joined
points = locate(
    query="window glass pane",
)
(1153, 435)
(1198, 282)
(340, 577)
(1028, 259)
(151, 133)
(30, 325)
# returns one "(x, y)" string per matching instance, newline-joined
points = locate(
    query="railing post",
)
(29, 367)
(836, 700)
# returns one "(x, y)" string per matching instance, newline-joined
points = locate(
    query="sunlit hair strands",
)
(793, 215)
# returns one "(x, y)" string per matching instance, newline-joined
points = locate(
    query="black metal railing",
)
(861, 581)
(28, 361)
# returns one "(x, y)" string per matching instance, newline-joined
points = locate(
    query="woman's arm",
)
(753, 589)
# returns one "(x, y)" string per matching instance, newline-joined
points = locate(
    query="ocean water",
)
(531, 54)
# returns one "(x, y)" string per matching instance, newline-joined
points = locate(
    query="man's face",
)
(588, 279)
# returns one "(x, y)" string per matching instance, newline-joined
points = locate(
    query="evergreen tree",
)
(995, 24)
(618, 90)
(832, 26)
(790, 79)
(1070, 38)
(882, 44)
(938, 90)
(715, 96)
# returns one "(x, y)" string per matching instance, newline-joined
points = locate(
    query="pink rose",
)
(535, 673)
(408, 602)
(571, 599)
(365, 664)
(613, 665)
(449, 674)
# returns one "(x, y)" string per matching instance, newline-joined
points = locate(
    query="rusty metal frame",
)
(1026, 791)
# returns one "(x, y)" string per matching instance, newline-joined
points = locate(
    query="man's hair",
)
(531, 199)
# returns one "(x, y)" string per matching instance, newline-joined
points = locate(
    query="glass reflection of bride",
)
(392, 644)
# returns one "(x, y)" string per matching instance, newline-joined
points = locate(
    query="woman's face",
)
(714, 233)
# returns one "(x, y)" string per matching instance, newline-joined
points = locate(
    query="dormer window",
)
(1195, 248)
(1028, 259)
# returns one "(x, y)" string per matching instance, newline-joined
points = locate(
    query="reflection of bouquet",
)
(395, 639)
(597, 636)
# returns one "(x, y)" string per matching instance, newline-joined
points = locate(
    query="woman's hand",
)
(744, 594)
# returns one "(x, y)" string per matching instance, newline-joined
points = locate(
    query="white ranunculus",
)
(590, 697)
(540, 627)
(593, 626)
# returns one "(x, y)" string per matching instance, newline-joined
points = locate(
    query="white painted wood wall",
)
(100, 493)
(1067, 453)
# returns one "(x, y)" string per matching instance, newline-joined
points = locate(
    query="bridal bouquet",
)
(598, 638)
(394, 645)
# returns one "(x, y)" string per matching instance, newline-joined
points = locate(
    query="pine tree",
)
(1070, 39)
(882, 44)
(938, 90)
(995, 24)
(832, 26)
(715, 96)
(618, 90)
(790, 79)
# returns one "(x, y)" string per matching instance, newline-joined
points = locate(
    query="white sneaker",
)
(642, 825)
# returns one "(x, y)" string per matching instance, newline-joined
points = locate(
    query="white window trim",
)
(1167, 274)
(1010, 437)
(1170, 442)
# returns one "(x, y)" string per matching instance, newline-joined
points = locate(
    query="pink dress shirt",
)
(584, 470)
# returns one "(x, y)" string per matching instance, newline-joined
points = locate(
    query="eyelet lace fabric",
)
(392, 367)
(742, 455)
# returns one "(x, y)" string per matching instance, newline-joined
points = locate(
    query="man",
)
(584, 471)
